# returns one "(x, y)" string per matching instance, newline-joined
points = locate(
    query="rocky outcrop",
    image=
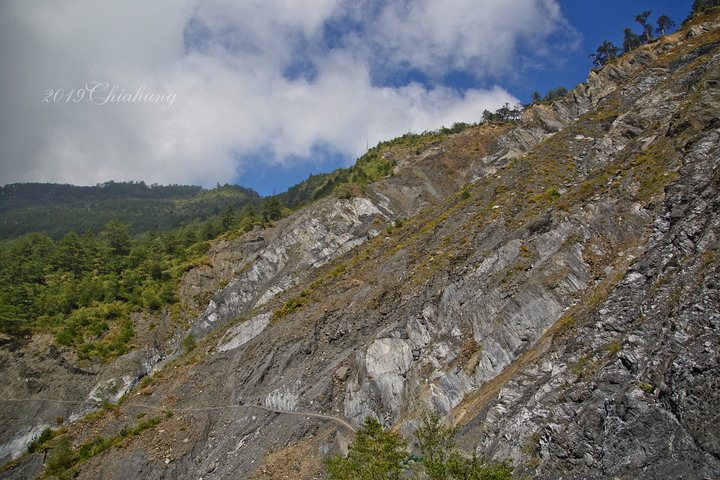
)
(631, 390)
(295, 247)
(45, 389)
(616, 394)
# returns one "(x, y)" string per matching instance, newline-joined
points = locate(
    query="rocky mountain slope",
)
(549, 288)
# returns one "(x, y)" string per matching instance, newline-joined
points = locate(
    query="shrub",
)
(151, 300)
(142, 426)
(552, 193)
(436, 444)
(189, 343)
(441, 460)
(375, 453)
(289, 306)
(62, 457)
(37, 442)
(94, 447)
(378, 454)
(614, 347)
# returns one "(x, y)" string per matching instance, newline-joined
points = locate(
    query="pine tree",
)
(437, 446)
(227, 219)
(117, 237)
(631, 41)
(664, 24)
(607, 52)
(67, 254)
(249, 211)
(270, 209)
(647, 28)
(208, 230)
(443, 461)
(700, 6)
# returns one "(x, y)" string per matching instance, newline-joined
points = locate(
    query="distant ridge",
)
(56, 209)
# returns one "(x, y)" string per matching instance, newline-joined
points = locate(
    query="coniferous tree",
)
(170, 243)
(68, 253)
(607, 52)
(700, 6)
(437, 446)
(664, 24)
(89, 251)
(227, 220)
(32, 257)
(249, 211)
(117, 237)
(631, 41)
(189, 236)
(555, 93)
(208, 230)
(516, 112)
(504, 111)
(443, 461)
(270, 209)
(642, 19)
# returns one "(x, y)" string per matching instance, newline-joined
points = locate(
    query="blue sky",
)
(263, 93)
(596, 25)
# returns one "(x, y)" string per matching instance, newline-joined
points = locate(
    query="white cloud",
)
(227, 65)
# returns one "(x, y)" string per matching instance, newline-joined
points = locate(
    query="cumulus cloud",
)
(234, 82)
(480, 37)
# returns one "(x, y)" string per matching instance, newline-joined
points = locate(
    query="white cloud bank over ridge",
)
(238, 80)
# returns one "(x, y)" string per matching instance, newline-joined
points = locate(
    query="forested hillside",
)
(55, 210)
(374, 164)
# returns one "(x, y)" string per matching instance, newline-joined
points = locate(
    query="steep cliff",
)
(550, 288)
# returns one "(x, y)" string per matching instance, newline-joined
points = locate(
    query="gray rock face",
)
(243, 333)
(47, 390)
(630, 391)
(298, 245)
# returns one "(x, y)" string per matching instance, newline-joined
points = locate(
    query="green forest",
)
(84, 287)
(55, 210)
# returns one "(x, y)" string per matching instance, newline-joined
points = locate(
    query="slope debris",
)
(550, 288)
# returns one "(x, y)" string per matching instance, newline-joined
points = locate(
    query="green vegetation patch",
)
(377, 453)
(84, 288)
(64, 457)
(56, 210)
